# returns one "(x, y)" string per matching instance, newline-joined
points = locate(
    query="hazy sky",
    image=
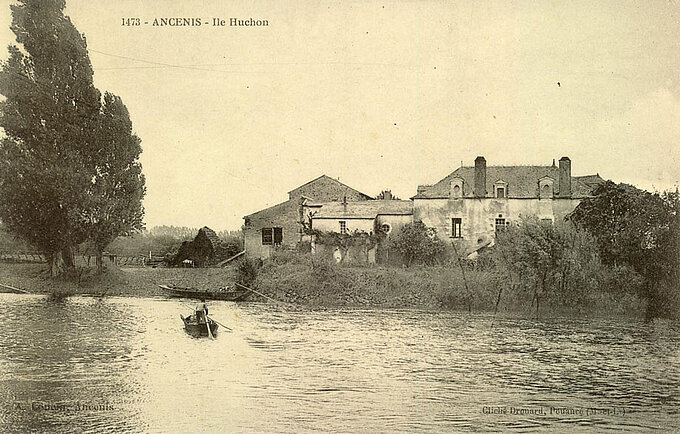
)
(382, 94)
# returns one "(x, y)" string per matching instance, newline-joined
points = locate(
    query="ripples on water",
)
(332, 370)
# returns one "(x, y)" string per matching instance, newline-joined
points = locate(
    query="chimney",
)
(565, 177)
(480, 177)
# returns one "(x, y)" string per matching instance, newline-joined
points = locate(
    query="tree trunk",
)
(56, 263)
(68, 258)
(99, 261)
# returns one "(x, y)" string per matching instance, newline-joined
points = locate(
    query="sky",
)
(382, 94)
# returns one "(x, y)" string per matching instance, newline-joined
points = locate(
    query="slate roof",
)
(522, 182)
(274, 209)
(328, 178)
(368, 209)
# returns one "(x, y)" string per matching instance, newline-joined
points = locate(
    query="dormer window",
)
(456, 188)
(500, 189)
(545, 187)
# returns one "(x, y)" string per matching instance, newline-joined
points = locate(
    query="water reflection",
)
(60, 359)
(334, 370)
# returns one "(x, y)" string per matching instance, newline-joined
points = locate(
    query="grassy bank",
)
(309, 280)
(137, 282)
(312, 281)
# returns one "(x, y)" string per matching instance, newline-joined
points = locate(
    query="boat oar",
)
(283, 303)
(207, 324)
(220, 324)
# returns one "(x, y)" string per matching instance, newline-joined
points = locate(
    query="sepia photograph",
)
(342, 216)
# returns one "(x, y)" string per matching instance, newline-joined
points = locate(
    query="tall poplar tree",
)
(54, 149)
(118, 184)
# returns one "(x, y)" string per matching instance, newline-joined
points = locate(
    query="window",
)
(278, 236)
(343, 227)
(456, 190)
(272, 236)
(386, 228)
(500, 189)
(456, 226)
(500, 224)
(547, 191)
(267, 237)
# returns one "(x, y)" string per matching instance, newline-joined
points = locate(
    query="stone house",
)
(282, 225)
(367, 217)
(474, 202)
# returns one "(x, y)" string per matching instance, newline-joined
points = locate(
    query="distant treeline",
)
(166, 240)
(159, 241)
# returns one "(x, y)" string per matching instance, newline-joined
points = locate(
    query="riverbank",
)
(312, 282)
(127, 281)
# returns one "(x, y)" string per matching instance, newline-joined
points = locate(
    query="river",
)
(126, 365)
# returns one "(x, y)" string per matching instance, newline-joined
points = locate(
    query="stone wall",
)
(352, 225)
(479, 214)
(285, 215)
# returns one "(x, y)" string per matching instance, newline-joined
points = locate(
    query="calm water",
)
(126, 365)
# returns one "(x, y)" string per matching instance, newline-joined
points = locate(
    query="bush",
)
(247, 270)
(419, 243)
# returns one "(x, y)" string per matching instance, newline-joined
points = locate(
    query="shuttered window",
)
(272, 236)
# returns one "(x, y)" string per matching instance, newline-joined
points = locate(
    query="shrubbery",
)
(557, 264)
(418, 243)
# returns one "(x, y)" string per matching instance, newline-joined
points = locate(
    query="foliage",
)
(228, 248)
(417, 242)
(637, 229)
(344, 241)
(247, 270)
(68, 163)
(159, 241)
(558, 262)
(163, 240)
(11, 243)
(118, 185)
(49, 115)
(202, 251)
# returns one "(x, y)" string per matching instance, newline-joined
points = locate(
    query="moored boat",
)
(224, 294)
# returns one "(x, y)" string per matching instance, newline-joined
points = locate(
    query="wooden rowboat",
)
(221, 294)
(197, 327)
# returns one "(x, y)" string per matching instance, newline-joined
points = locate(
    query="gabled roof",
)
(274, 209)
(522, 182)
(328, 178)
(368, 209)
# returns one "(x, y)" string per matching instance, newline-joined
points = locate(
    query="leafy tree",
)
(57, 163)
(118, 184)
(550, 260)
(636, 228)
(49, 115)
(417, 242)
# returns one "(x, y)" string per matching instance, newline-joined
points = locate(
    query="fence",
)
(80, 260)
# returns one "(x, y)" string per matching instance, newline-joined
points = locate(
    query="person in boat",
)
(202, 313)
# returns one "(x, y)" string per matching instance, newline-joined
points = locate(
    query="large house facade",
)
(467, 207)
(474, 202)
(282, 225)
